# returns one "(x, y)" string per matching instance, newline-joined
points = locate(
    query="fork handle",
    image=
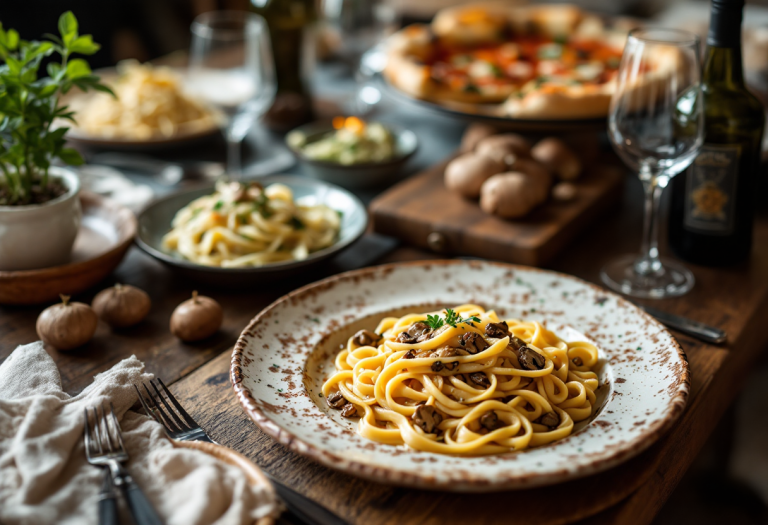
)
(142, 510)
(108, 502)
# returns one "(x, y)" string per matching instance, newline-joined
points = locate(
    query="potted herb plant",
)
(39, 206)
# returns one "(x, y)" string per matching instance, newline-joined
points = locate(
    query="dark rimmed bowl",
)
(356, 176)
(155, 222)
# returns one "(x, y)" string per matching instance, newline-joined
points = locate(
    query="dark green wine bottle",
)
(713, 202)
(292, 26)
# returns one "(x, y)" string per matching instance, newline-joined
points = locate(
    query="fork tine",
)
(87, 431)
(167, 422)
(178, 421)
(96, 429)
(191, 422)
(105, 434)
(146, 407)
(116, 425)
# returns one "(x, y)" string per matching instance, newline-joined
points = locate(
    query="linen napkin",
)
(44, 475)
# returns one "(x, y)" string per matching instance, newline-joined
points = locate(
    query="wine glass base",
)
(672, 280)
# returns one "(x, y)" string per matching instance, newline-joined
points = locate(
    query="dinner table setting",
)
(348, 262)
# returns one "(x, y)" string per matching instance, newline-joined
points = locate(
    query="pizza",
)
(533, 62)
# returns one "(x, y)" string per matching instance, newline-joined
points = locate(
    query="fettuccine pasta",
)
(243, 226)
(149, 103)
(463, 382)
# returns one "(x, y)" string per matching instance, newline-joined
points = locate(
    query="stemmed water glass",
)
(359, 26)
(231, 68)
(656, 125)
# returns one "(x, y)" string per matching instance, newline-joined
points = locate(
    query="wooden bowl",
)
(106, 233)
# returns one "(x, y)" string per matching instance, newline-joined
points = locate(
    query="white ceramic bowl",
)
(41, 235)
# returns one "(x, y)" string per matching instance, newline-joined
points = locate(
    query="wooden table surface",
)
(735, 299)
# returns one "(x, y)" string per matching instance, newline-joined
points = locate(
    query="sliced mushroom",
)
(349, 410)
(516, 343)
(444, 352)
(419, 329)
(336, 400)
(530, 359)
(405, 337)
(473, 342)
(366, 338)
(409, 355)
(427, 418)
(498, 330)
(480, 379)
(489, 420)
(550, 419)
(437, 366)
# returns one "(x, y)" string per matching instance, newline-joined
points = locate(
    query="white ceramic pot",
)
(41, 235)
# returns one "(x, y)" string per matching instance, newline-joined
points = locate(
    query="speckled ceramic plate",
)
(284, 355)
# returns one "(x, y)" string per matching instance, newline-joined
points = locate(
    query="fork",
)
(182, 427)
(107, 449)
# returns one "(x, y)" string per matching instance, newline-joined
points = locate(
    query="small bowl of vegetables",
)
(351, 152)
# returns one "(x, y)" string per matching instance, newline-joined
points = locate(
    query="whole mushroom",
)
(196, 318)
(467, 173)
(122, 305)
(510, 195)
(505, 147)
(540, 178)
(67, 325)
(474, 134)
(558, 158)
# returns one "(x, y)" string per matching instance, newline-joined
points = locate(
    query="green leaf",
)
(11, 39)
(68, 26)
(434, 321)
(78, 68)
(70, 156)
(84, 45)
(14, 66)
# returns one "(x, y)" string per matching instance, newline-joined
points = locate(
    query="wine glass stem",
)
(234, 162)
(649, 263)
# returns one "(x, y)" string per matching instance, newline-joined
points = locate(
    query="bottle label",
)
(711, 189)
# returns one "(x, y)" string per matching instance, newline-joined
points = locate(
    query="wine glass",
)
(656, 125)
(231, 68)
(358, 26)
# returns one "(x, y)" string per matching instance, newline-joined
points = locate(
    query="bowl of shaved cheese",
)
(237, 233)
(150, 108)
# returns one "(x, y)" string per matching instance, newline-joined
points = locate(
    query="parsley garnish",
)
(434, 321)
(296, 223)
(451, 319)
(219, 204)
(261, 205)
(471, 88)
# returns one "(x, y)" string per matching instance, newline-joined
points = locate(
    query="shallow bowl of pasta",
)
(465, 376)
(151, 109)
(234, 234)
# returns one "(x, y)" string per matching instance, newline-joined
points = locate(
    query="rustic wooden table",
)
(735, 299)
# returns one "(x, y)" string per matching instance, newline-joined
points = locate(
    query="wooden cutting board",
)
(423, 212)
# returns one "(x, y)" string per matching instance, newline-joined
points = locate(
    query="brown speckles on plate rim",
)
(650, 396)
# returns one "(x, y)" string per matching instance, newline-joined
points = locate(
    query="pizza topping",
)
(550, 52)
(590, 71)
